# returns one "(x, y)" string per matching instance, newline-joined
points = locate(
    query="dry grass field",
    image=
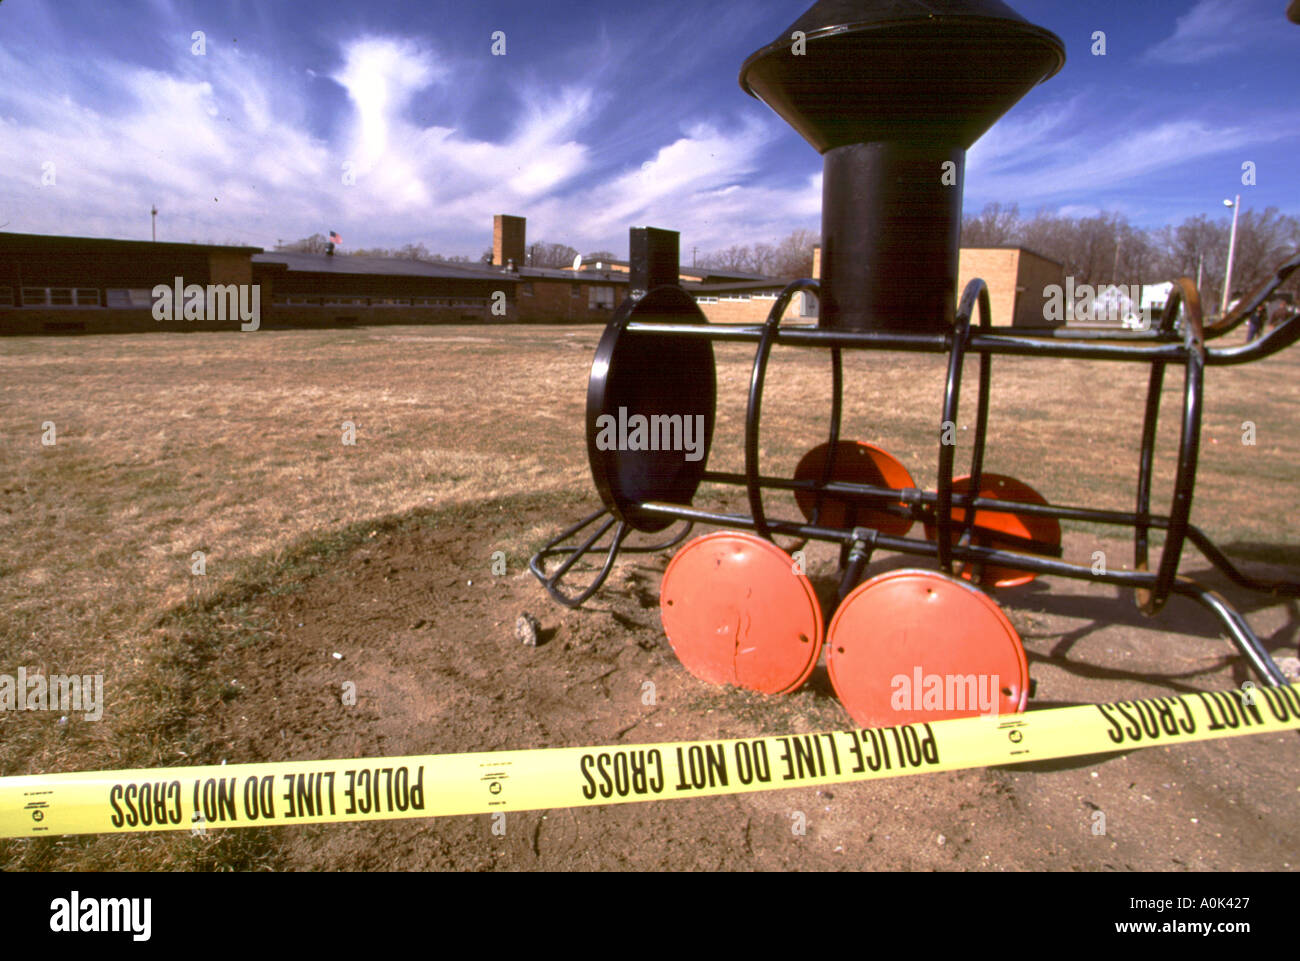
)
(232, 444)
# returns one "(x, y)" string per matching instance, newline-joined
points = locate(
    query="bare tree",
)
(995, 227)
(734, 258)
(550, 255)
(315, 244)
(1264, 239)
(793, 257)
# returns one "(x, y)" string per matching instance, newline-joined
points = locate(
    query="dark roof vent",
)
(893, 93)
(938, 71)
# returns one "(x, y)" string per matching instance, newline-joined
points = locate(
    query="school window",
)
(123, 297)
(6, 296)
(600, 298)
(60, 297)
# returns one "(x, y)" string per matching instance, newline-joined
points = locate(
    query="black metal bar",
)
(982, 399)
(1146, 461)
(1279, 338)
(1256, 300)
(859, 556)
(981, 555)
(993, 342)
(753, 415)
(837, 411)
(889, 497)
(1233, 573)
(1238, 631)
(952, 391)
(1137, 520)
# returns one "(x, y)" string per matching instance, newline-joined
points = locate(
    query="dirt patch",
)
(426, 635)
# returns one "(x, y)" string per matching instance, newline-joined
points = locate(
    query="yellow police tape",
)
(379, 789)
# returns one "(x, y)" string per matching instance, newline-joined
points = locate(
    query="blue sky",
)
(598, 117)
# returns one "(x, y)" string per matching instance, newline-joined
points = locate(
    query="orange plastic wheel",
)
(736, 611)
(912, 646)
(855, 463)
(989, 524)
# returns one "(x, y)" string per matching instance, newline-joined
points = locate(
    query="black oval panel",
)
(663, 379)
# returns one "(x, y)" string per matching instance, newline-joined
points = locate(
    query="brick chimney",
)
(817, 262)
(507, 239)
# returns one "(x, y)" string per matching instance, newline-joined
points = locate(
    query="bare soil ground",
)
(470, 442)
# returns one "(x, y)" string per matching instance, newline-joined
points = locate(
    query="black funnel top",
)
(926, 72)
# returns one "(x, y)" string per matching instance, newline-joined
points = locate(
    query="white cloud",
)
(1212, 28)
(1069, 147)
(222, 144)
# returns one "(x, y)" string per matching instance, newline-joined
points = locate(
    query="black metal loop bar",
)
(1189, 446)
(770, 333)
(952, 390)
(572, 554)
(1238, 631)
(1252, 303)
(976, 293)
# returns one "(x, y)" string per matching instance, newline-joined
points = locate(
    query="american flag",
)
(335, 238)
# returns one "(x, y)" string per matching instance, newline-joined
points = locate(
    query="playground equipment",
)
(892, 93)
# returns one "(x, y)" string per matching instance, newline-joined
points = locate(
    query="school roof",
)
(375, 266)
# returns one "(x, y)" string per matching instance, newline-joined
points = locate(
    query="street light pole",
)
(1232, 249)
(153, 220)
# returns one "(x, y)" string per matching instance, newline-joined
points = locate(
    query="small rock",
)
(527, 629)
(1290, 666)
(942, 840)
(338, 656)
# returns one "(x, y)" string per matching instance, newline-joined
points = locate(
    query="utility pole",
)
(1232, 249)
(153, 217)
